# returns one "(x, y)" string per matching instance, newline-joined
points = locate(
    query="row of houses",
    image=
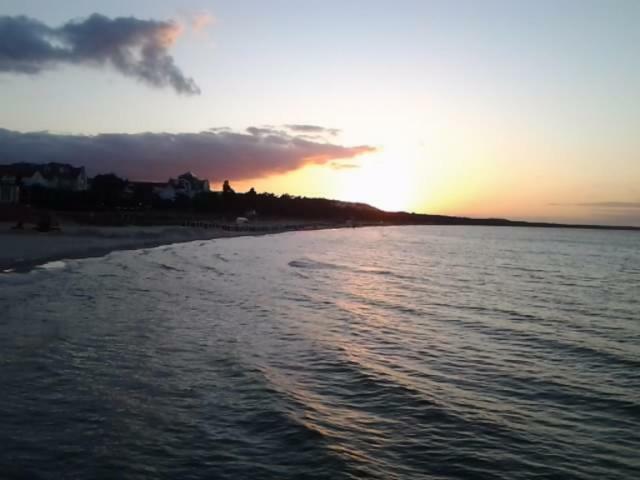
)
(49, 175)
(187, 185)
(60, 176)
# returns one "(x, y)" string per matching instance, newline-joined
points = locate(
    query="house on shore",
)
(9, 189)
(58, 176)
(186, 184)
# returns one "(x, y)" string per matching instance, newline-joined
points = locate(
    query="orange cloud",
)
(202, 21)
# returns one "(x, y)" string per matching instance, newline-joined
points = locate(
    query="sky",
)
(527, 110)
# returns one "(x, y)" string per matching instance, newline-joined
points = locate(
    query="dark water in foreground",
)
(408, 352)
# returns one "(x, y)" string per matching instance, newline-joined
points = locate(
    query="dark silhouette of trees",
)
(207, 202)
(226, 188)
(42, 197)
(116, 197)
(115, 201)
(251, 199)
(229, 201)
(108, 190)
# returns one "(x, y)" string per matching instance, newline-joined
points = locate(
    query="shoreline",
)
(23, 251)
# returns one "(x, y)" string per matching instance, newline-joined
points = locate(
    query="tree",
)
(226, 188)
(251, 198)
(108, 189)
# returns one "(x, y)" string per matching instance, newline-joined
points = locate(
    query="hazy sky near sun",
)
(482, 108)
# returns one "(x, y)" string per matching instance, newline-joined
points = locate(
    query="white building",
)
(186, 184)
(57, 176)
(9, 190)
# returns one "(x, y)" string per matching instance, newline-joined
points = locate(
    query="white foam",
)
(55, 265)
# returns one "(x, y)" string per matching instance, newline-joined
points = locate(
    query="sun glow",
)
(384, 180)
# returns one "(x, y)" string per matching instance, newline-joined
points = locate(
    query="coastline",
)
(22, 251)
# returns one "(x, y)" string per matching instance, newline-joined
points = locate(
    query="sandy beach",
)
(22, 250)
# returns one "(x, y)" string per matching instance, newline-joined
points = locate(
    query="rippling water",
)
(400, 352)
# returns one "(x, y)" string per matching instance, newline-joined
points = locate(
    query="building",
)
(59, 176)
(186, 184)
(141, 194)
(9, 189)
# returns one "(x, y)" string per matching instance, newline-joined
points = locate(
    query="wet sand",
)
(21, 250)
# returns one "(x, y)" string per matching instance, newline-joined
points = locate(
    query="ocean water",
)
(389, 353)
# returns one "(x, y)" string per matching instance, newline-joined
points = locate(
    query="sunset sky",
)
(511, 109)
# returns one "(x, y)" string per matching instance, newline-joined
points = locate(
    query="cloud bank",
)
(136, 48)
(216, 154)
(611, 204)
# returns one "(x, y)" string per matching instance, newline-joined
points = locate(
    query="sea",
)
(430, 352)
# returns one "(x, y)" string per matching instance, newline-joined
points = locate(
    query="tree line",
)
(110, 193)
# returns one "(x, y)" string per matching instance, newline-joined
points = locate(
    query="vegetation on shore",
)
(114, 201)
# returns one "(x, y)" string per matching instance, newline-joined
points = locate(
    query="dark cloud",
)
(265, 131)
(599, 204)
(313, 129)
(214, 154)
(136, 48)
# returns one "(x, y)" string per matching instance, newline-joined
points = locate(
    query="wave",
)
(55, 265)
(315, 265)
(302, 357)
